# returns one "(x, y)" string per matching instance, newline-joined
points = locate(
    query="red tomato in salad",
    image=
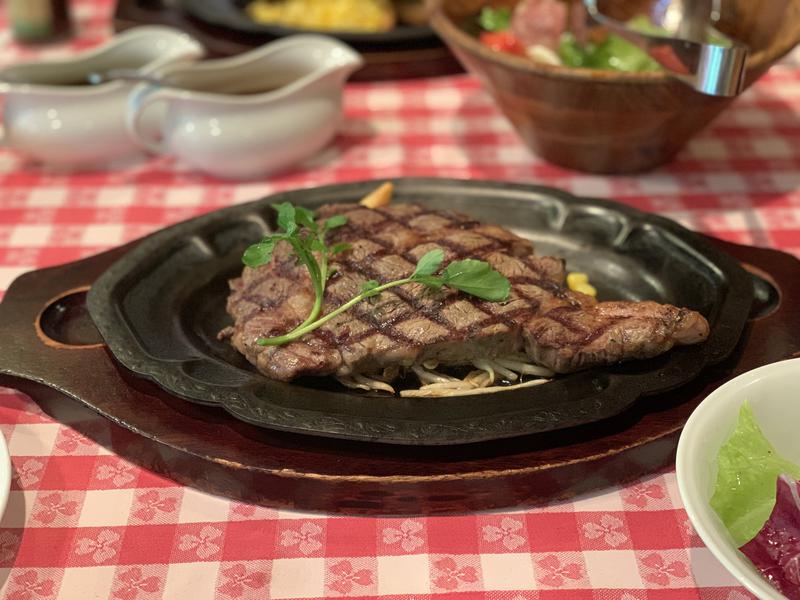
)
(502, 41)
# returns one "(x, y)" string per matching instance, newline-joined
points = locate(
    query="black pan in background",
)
(160, 307)
(231, 15)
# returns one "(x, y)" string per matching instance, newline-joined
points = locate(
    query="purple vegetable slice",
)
(775, 550)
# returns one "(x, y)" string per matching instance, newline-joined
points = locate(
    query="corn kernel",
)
(574, 279)
(587, 289)
(579, 282)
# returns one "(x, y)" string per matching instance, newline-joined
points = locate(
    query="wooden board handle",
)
(46, 324)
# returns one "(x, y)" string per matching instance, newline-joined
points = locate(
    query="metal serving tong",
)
(712, 67)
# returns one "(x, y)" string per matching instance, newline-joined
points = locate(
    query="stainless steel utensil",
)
(712, 67)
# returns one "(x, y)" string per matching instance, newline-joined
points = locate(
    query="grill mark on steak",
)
(388, 329)
(282, 268)
(458, 252)
(262, 303)
(557, 314)
(601, 331)
(325, 335)
(367, 318)
(405, 325)
(415, 301)
(547, 285)
(435, 314)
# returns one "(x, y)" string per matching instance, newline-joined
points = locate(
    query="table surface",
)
(83, 523)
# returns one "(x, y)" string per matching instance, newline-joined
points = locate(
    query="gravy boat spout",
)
(249, 115)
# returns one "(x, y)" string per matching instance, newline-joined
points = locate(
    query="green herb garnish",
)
(494, 19)
(474, 277)
(306, 237)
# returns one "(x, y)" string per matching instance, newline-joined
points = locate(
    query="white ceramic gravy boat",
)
(54, 115)
(249, 115)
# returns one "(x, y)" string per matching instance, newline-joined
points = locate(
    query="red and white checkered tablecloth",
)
(83, 523)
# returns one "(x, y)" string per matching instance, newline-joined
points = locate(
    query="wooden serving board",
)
(52, 351)
(397, 63)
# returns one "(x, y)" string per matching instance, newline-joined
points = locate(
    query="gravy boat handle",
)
(140, 98)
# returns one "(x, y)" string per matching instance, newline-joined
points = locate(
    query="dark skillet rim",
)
(244, 403)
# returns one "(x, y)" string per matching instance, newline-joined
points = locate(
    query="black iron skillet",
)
(160, 307)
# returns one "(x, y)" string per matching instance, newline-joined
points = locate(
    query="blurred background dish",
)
(680, 40)
(338, 15)
(332, 15)
(609, 121)
(404, 51)
(376, 22)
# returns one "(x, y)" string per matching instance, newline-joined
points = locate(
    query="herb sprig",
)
(300, 229)
(307, 237)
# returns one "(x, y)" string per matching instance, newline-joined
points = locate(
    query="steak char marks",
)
(557, 328)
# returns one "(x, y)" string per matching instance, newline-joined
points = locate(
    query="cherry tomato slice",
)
(502, 41)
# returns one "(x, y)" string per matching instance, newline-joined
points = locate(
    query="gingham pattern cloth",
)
(83, 523)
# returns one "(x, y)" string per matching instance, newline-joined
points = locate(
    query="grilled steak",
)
(557, 328)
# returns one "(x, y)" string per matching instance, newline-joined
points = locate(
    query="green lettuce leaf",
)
(748, 466)
(613, 53)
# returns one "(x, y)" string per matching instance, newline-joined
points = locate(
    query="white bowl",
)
(773, 391)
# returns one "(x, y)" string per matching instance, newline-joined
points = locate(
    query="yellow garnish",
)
(345, 15)
(378, 197)
(579, 282)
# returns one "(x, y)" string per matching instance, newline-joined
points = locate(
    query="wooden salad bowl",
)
(604, 121)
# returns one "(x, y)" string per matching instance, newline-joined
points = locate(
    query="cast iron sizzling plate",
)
(231, 15)
(160, 307)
